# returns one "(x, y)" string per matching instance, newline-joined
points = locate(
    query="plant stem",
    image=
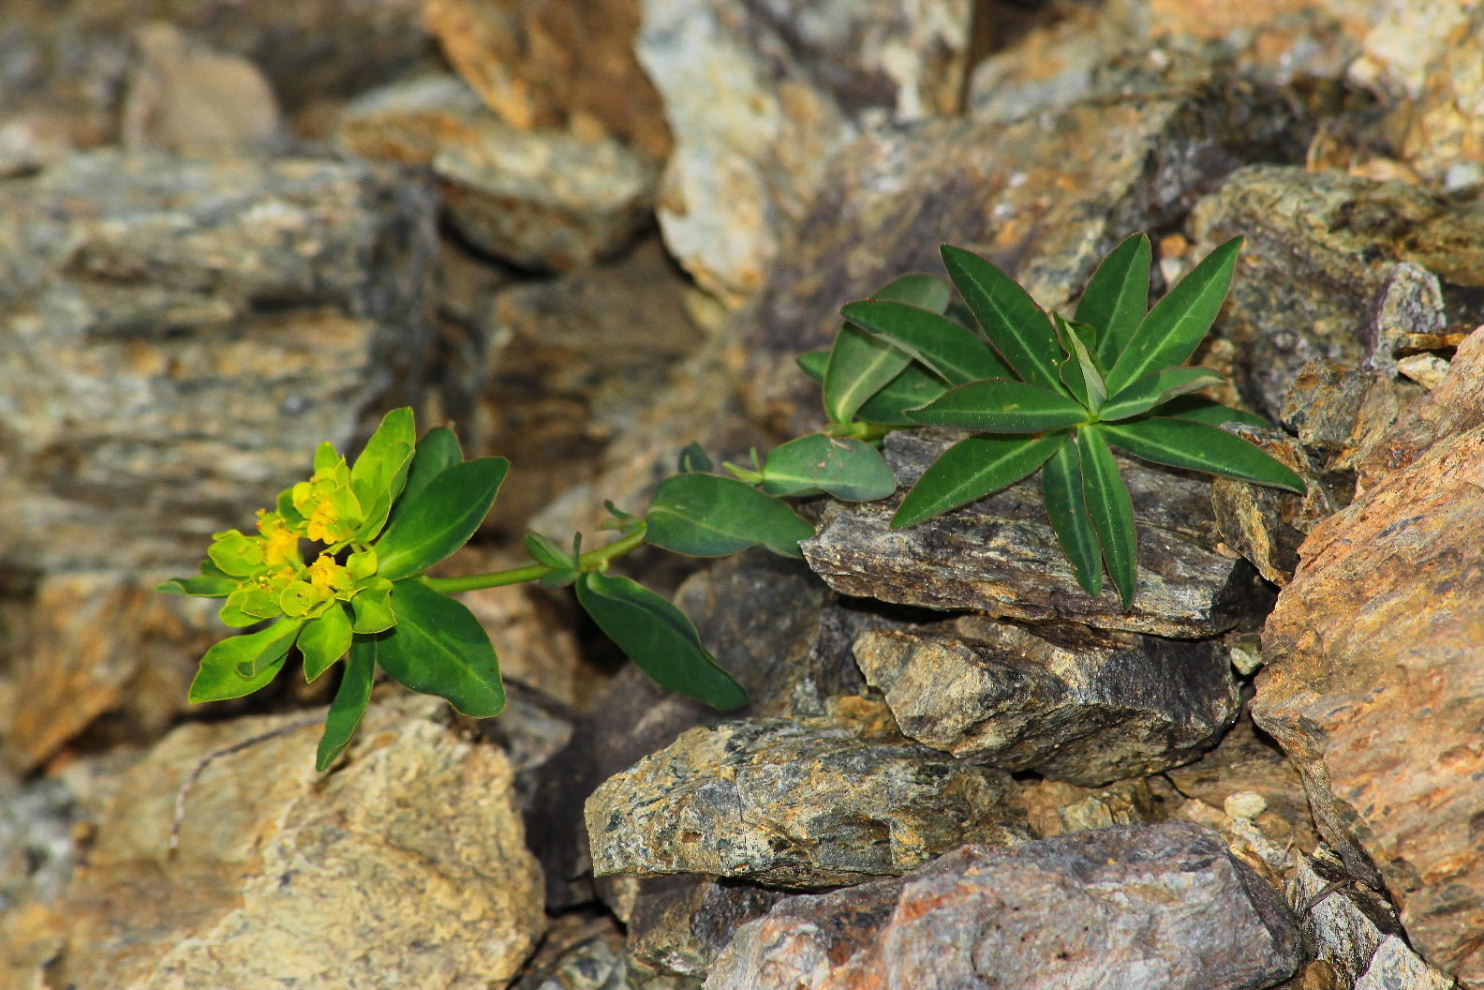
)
(591, 561)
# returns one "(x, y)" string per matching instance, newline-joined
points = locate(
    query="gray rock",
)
(1333, 268)
(1066, 702)
(177, 337)
(759, 95)
(999, 555)
(1266, 525)
(679, 924)
(1131, 906)
(794, 805)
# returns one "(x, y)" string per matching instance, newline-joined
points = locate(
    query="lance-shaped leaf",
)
(381, 470)
(1018, 328)
(324, 640)
(441, 517)
(439, 648)
(693, 456)
(706, 515)
(952, 352)
(971, 469)
(923, 291)
(1200, 409)
(217, 585)
(1172, 330)
(350, 702)
(220, 676)
(858, 366)
(1188, 444)
(845, 468)
(1115, 300)
(1156, 389)
(1001, 405)
(915, 386)
(658, 637)
(1061, 487)
(436, 452)
(1110, 510)
(1079, 370)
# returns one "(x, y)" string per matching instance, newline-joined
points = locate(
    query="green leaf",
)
(859, 365)
(1061, 487)
(659, 638)
(1015, 325)
(952, 352)
(1002, 406)
(203, 586)
(1173, 329)
(845, 468)
(1079, 369)
(325, 640)
(439, 648)
(923, 291)
(326, 457)
(350, 703)
(914, 387)
(233, 614)
(1115, 300)
(219, 677)
(381, 470)
(235, 553)
(441, 517)
(693, 458)
(813, 364)
(1200, 409)
(437, 451)
(1152, 390)
(1110, 510)
(1187, 444)
(706, 515)
(972, 469)
(546, 552)
(373, 608)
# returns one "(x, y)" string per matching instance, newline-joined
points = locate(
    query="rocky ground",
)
(590, 234)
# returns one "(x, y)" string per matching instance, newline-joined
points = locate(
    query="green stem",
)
(593, 560)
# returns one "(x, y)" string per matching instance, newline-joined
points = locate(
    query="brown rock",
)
(999, 555)
(1373, 686)
(680, 924)
(550, 64)
(1148, 906)
(1266, 525)
(287, 878)
(1055, 807)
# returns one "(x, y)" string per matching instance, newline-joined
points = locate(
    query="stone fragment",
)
(1266, 525)
(1069, 703)
(578, 953)
(999, 555)
(184, 98)
(1333, 268)
(1355, 930)
(90, 644)
(286, 878)
(1055, 807)
(759, 96)
(1148, 906)
(555, 65)
(1372, 665)
(1044, 198)
(680, 924)
(178, 336)
(792, 805)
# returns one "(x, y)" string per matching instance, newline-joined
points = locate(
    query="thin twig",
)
(1324, 892)
(209, 758)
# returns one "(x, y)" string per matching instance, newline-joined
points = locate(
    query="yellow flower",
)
(330, 579)
(280, 540)
(328, 504)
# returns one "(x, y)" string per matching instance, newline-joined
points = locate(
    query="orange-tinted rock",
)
(1373, 684)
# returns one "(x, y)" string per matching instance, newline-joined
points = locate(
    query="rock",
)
(758, 98)
(1053, 198)
(999, 555)
(1149, 906)
(1355, 930)
(287, 878)
(1333, 268)
(1266, 525)
(180, 335)
(186, 99)
(1056, 808)
(680, 924)
(578, 953)
(97, 644)
(792, 805)
(1066, 702)
(551, 65)
(1371, 666)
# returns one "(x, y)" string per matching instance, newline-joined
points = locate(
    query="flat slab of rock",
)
(787, 804)
(999, 555)
(288, 878)
(1373, 684)
(1078, 706)
(1131, 906)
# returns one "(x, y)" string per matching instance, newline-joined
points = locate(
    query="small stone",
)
(1147, 906)
(1427, 370)
(792, 805)
(1245, 804)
